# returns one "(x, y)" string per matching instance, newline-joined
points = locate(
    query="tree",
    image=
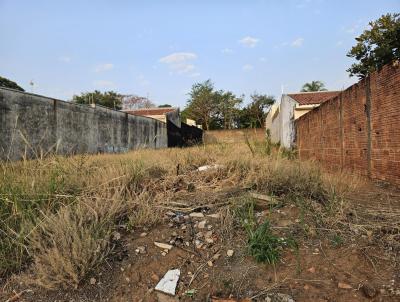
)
(108, 99)
(227, 108)
(376, 46)
(164, 106)
(313, 86)
(202, 105)
(9, 84)
(254, 114)
(136, 102)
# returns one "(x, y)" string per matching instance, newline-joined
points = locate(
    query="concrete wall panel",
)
(33, 125)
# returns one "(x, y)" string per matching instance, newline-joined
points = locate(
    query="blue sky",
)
(160, 48)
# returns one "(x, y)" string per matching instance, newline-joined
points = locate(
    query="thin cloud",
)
(298, 42)
(178, 57)
(247, 67)
(104, 67)
(180, 63)
(263, 59)
(248, 41)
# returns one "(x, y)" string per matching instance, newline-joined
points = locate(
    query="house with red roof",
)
(280, 119)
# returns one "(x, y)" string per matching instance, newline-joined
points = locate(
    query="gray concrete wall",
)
(33, 125)
(174, 117)
(281, 122)
(287, 130)
(274, 124)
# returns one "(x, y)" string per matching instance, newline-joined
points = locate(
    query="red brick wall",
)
(359, 130)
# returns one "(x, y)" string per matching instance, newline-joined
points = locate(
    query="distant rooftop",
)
(311, 98)
(150, 111)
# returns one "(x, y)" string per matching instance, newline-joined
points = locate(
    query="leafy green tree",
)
(9, 84)
(228, 108)
(376, 46)
(254, 114)
(108, 99)
(202, 104)
(313, 86)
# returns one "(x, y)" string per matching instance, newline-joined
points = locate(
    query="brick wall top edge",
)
(387, 68)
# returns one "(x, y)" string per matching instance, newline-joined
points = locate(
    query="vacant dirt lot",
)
(256, 225)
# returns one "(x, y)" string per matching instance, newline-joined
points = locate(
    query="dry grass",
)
(58, 214)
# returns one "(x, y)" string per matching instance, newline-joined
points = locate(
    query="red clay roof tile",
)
(310, 98)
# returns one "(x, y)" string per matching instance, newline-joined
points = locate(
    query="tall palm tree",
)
(313, 86)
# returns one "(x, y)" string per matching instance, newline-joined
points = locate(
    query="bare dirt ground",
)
(346, 267)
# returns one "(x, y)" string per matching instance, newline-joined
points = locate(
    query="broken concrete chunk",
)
(163, 246)
(198, 244)
(196, 215)
(208, 167)
(92, 281)
(141, 250)
(343, 285)
(261, 196)
(202, 224)
(229, 253)
(216, 215)
(169, 282)
(209, 240)
(268, 199)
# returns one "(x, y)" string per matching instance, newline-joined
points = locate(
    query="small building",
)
(191, 122)
(156, 113)
(281, 117)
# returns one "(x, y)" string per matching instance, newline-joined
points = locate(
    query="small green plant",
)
(265, 246)
(337, 240)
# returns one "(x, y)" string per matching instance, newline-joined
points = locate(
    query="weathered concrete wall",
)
(286, 112)
(358, 130)
(33, 125)
(174, 117)
(272, 123)
(280, 122)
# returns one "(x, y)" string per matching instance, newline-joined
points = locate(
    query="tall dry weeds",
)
(58, 214)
